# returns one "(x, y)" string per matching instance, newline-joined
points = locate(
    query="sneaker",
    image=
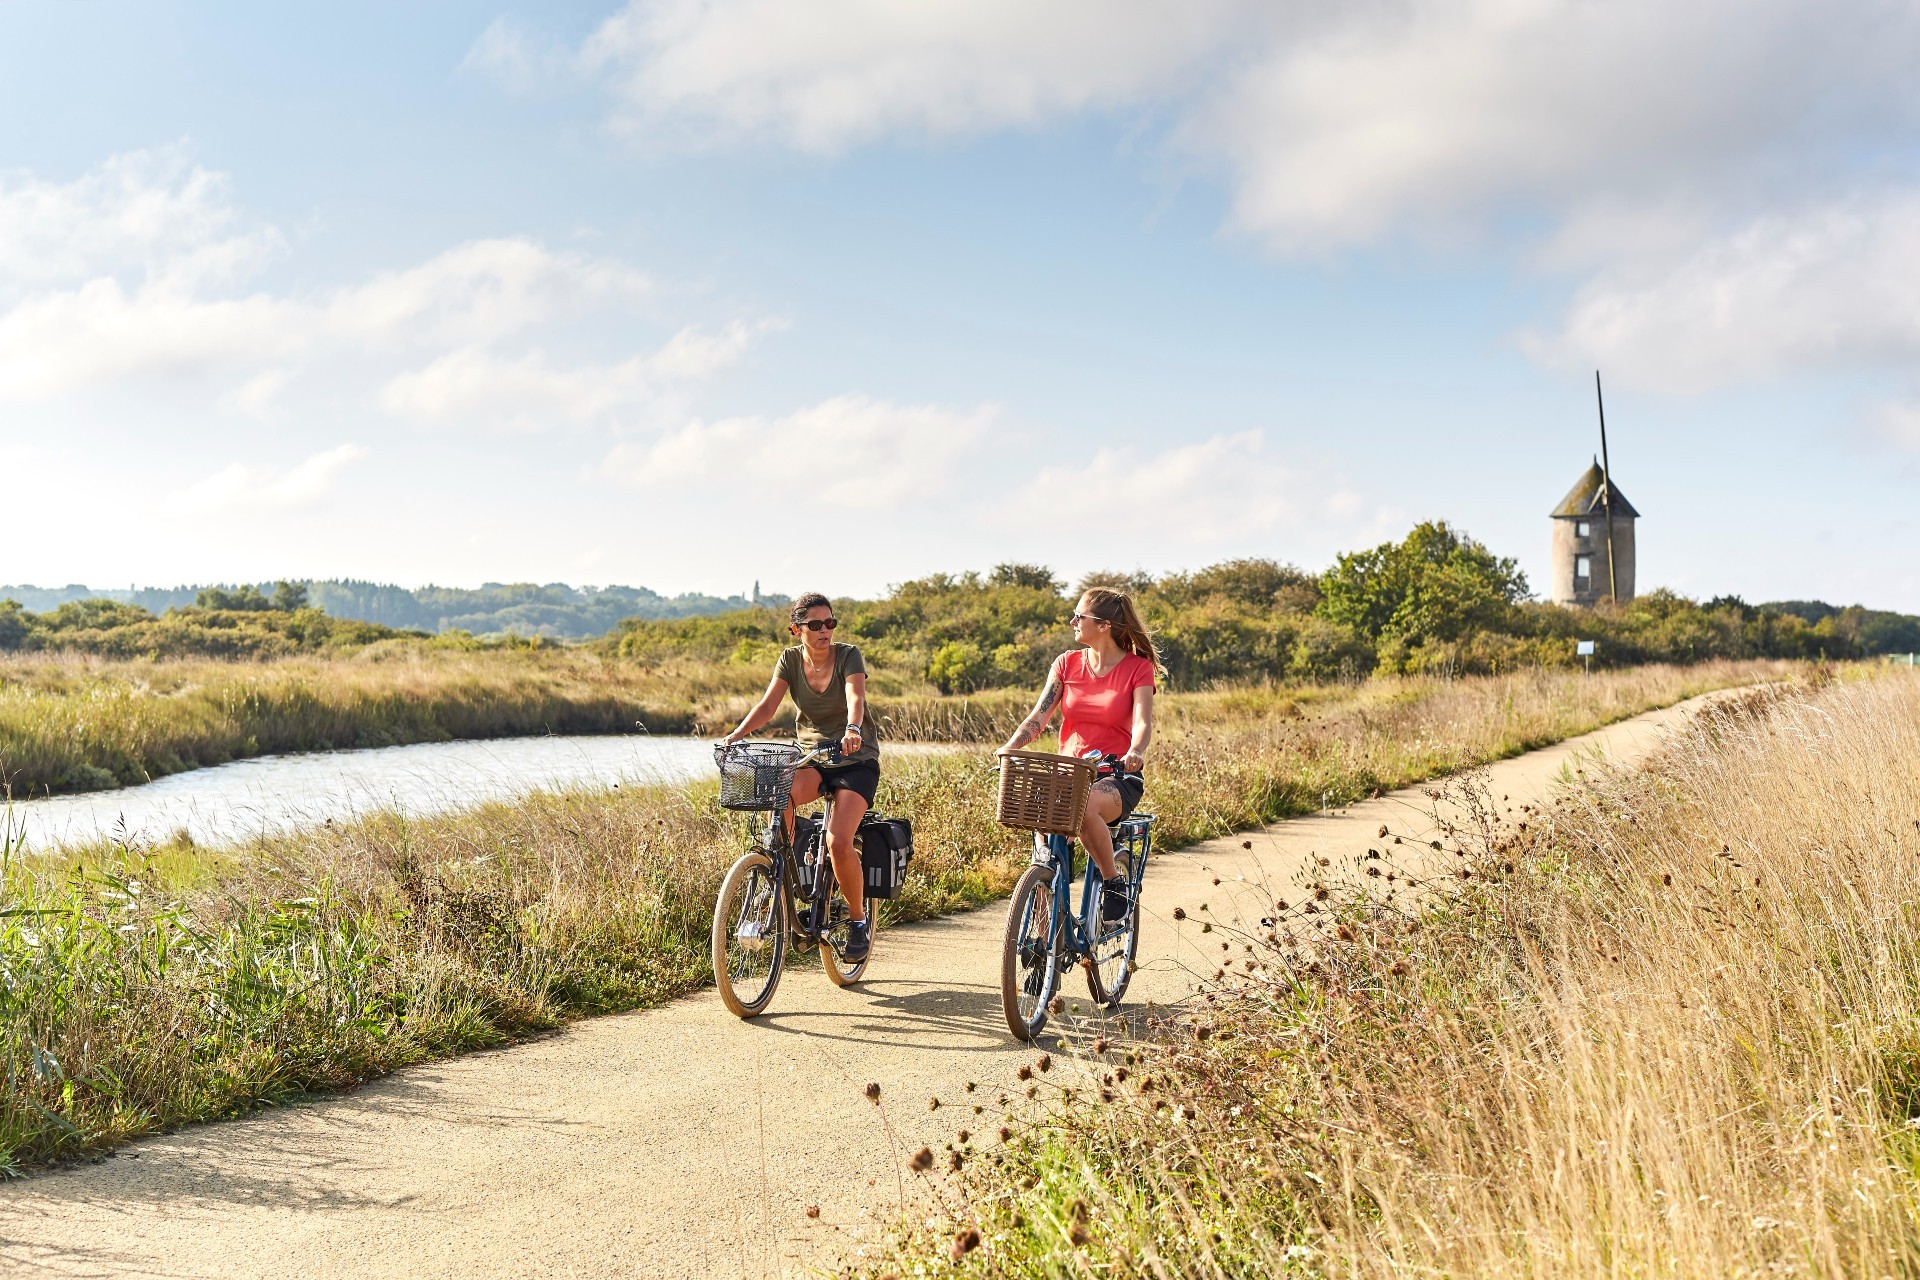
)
(1116, 899)
(859, 942)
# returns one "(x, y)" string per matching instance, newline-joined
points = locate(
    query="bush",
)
(958, 666)
(14, 625)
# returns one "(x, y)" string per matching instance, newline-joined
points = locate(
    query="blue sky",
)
(831, 293)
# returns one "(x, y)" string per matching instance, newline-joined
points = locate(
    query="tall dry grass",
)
(1672, 1028)
(71, 722)
(141, 988)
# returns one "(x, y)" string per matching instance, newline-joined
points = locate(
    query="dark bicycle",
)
(784, 889)
(1044, 937)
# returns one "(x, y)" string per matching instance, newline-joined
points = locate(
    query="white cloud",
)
(1217, 492)
(1832, 285)
(1899, 422)
(59, 340)
(517, 60)
(152, 211)
(238, 487)
(852, 451)
(1339, 124)
(137, 270)
(474, 386)
(828, 74)
(1433, 116)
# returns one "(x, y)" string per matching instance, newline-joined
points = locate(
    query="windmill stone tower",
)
(1584, 573)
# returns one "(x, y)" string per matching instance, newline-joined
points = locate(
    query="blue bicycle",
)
(1044, 936)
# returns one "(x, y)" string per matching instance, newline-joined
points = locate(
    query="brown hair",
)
(1115, 608)
(811, 600)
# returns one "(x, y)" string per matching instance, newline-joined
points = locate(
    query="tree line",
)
(1434, 601)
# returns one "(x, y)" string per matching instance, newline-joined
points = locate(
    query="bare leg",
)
(806, 789)
(848, 808)
(1103, 806)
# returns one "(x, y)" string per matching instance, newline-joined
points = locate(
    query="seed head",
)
(873, 1093)
(965, 1243)
(922, 1160)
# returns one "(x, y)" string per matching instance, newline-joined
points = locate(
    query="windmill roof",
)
(1584, 498)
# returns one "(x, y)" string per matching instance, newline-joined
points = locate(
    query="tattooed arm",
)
(1036, 722)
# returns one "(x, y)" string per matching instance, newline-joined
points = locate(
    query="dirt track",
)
(675, 1142)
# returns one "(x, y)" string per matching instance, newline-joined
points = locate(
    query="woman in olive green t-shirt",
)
(828, 683)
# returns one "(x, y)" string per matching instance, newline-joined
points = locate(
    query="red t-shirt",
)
(1097, 711)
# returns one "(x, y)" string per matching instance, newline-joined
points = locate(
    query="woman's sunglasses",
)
(1087, 617)
(814, 624)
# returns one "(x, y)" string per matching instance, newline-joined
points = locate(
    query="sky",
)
(830, 294)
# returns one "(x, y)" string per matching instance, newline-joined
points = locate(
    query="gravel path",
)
(674, 1142)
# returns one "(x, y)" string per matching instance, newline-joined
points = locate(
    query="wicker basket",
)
(756, 776)
(1044, 792)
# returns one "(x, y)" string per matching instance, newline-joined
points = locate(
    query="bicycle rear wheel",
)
(834, 941)
(749, 936)
(1117, 943)
(1029, 963)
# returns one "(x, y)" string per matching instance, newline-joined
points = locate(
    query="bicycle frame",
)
(1071, 934)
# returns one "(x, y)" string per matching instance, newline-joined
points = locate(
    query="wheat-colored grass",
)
(1673, 1030)
(142, 988)
(72, 722)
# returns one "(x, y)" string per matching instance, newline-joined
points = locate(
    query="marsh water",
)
(229, 802)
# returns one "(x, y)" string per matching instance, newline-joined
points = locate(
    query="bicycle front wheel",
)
(1029, 963)
(749, 936)
(1116, 943)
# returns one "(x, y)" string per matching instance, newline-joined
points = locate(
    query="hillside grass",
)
(146, 987)
(1669, 1028)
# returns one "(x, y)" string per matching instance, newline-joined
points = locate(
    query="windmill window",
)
(1582, 529)
(1583, 566)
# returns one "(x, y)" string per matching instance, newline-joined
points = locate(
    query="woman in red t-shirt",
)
(1105, 692)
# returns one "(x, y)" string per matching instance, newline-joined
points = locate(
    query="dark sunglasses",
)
(814, 624)
(1087, 617)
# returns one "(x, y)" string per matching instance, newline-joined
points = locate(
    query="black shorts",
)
(1131, 787)
(863, 779)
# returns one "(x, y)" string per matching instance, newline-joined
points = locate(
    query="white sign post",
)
(1584, 649)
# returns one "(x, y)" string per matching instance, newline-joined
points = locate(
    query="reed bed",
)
(146, 987)
(71, 722)
(1671, 1028)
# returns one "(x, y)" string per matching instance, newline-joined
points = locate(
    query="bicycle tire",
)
(1027, 949)
(839, 972)
(749, 887)
(1107, 989)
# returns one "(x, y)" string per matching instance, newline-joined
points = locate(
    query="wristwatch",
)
(854, 728)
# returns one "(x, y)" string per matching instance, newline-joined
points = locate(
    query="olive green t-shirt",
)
(823, 716)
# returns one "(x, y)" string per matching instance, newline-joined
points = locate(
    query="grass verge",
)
(1672, 1027)
(143, 988)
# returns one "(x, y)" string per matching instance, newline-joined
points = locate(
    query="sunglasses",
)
(814, 624)
(1087, 617)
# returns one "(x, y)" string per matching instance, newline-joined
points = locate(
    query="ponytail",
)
(1115, 608)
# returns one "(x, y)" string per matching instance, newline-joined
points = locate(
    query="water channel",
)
(230, 802)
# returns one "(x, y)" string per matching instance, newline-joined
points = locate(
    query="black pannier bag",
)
(886, 847)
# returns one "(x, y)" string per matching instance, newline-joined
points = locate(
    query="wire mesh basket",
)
(756, 776)
(1040, 791)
